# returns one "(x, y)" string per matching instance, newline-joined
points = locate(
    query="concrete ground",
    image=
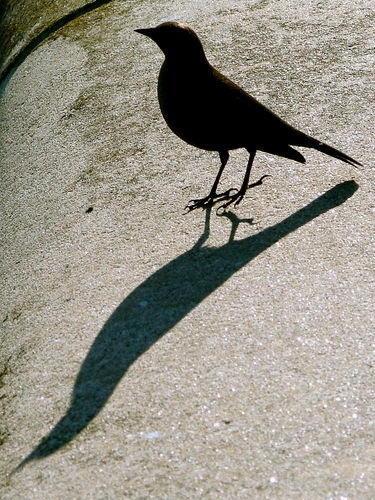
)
(150, 354)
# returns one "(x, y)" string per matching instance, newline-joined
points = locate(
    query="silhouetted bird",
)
(209, 111)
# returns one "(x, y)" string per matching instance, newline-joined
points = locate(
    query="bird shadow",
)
(158, 304)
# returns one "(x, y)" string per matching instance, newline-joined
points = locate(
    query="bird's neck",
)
(186, 63)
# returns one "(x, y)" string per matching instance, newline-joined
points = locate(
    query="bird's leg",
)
(213, 196)
(237, 197)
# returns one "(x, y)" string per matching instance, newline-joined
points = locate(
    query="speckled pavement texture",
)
(148, 353)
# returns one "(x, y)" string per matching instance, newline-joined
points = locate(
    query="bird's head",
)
(176, 40)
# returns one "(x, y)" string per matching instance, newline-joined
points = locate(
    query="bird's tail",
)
(329, 150)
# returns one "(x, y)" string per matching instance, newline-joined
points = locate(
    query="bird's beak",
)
(147, 32)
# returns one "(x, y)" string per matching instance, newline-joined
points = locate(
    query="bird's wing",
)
(247, 117)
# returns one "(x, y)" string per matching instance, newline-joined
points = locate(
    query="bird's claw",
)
(258, 182)
(198, 203)
(236, 198)
(209, 200)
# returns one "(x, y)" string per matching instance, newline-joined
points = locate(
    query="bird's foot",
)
(209, 200)
(236, 198)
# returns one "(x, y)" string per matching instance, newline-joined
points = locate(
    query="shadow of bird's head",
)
(176, 40)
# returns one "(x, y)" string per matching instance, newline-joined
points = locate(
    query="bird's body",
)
(209, 111)
(213, 113)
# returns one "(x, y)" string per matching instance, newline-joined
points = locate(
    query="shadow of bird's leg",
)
(235, 221)
(237, 197)
(206, 232)
(213, 196)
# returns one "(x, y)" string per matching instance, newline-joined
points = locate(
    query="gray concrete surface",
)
(150, 354)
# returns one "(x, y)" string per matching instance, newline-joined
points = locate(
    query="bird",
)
(209, 111)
